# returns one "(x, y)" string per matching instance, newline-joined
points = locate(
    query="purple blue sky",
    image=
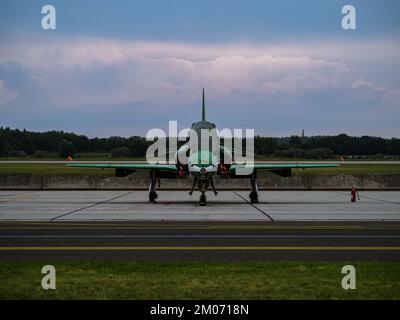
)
(123, 67)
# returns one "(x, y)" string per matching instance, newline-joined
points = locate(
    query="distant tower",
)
(302, 134)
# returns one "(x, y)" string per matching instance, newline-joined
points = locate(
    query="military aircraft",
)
(202, 165)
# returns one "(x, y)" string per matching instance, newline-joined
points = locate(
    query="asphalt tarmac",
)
(200, 241)
(121, 225)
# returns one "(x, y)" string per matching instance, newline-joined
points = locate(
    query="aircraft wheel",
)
(153, 196)
(253, 197)
(203, 200)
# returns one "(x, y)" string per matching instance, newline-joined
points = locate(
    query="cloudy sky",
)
(124, 67)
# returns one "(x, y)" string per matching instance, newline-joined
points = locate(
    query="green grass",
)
(51, 169)
(196, 280)
(61, 169)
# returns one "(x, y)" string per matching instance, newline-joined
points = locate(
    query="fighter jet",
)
(202, 166)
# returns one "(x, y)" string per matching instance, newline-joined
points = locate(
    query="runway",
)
(122, 225)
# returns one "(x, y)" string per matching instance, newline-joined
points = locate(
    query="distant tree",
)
(290, 153)
(137, 146)
(5, 148)
(120, 152)
(38, 154)
(66, 148)
(395, 146)
(18, 153)
(295, 140)
(319, 153)
(53, 142)
(264, 145)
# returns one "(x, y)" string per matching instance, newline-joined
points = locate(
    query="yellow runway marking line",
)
(304, 227)
(195, 248)
(101, 225)
(123, 225)
(201, 224)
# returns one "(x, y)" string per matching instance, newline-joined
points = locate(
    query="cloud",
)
(102, 75)
(94, 71)
(6, 95)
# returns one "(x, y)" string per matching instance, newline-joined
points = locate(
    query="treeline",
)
(14, 142)
(325, 147)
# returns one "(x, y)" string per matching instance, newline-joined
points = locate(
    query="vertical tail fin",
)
(203, 109)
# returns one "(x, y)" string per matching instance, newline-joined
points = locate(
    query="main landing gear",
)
(254, 188)
(152, 188)
(203, 183)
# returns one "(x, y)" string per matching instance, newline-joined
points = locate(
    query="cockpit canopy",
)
(197, 126)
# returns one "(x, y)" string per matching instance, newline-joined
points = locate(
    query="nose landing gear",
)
(254, 188)
(203, 184)
(203, 200)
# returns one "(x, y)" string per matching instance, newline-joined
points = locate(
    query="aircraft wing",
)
(133, 166)
(282, 169)
(271, 166)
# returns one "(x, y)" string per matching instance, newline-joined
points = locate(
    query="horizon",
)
(256, 135)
